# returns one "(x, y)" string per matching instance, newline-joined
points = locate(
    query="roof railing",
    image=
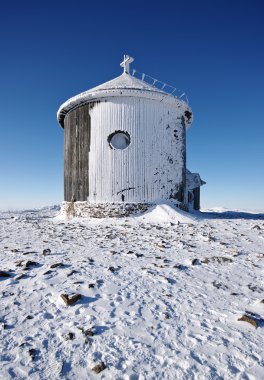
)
(170, 90)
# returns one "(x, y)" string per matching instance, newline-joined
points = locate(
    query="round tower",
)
(125, 143)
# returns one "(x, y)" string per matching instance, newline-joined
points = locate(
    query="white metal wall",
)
(152, 164)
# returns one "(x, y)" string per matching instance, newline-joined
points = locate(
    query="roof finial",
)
(125, 63)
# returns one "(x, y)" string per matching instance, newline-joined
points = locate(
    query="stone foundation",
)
(102, 210)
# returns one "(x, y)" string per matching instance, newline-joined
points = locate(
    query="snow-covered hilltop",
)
(167, 295)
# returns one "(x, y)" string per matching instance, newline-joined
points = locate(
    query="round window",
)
(119, 140)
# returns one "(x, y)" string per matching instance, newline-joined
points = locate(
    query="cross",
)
(127, 60)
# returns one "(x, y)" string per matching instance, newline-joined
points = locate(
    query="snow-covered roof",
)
(193, 180)
(124, 85)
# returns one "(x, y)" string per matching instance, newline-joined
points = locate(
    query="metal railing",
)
(170, 90)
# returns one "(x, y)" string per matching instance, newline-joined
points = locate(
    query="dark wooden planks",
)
(77, 126)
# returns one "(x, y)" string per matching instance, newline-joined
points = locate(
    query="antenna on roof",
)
(126, 62)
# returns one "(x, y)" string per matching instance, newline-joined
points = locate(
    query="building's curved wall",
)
(151, 168)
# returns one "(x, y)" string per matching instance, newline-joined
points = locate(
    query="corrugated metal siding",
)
(153, 163)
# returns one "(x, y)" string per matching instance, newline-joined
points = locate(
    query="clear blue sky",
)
(214, 50)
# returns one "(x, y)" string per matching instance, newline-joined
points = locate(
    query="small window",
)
(119, 140)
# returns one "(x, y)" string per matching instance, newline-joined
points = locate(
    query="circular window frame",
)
(126, 135)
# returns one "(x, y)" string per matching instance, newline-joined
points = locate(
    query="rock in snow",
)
(147, 310)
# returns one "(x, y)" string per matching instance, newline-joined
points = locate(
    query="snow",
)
(127, 86)
(167, 291)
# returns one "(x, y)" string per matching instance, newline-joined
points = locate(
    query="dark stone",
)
(196, 262)
(30, 263)
(4, 274)
(57, 265)
(250, 320)
(32, 352)
(99, 367)
(48, 272)
(46, 251)
(21, 276)
(71, 300)
(72, 272)
(88, 332)
(70, 336)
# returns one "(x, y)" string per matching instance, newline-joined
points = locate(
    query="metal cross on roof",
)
(126, 62)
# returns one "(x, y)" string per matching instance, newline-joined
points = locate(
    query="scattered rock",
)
(255, 288)
(46, 252)
(19, 263)
(219, 285)
(139, 255)
(70, 300)
(196, 262)
(72, 272)
(256, 227)
(70, 336)
(15, 250)
(99, 367)
(180, 267)
(4, 274)
(88, 332)
(48, 272)
(218, 259)
(32, 352)
(21, 276)
(57, 265)
(30, 263)
(91, 285)
(246, 318)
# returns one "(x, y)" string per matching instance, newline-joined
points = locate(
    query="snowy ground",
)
(161, 296)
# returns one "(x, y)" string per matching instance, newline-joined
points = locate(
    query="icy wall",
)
(152, 167)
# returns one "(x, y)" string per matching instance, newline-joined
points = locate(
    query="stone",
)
(72, 272)
(218, 259)
(30, 263)
(70, 336)
(57, 265)
(196, 262)
(70, 300)
(46, 251)
(32, 352)
(99, 367)
(48, 272)
(4, 274)
(250, 320)
(21, 276)
(88, 332)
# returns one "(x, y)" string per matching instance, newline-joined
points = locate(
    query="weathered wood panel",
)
(77, 127)
(196, 193)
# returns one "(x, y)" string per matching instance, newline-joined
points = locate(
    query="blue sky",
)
(52, 50)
